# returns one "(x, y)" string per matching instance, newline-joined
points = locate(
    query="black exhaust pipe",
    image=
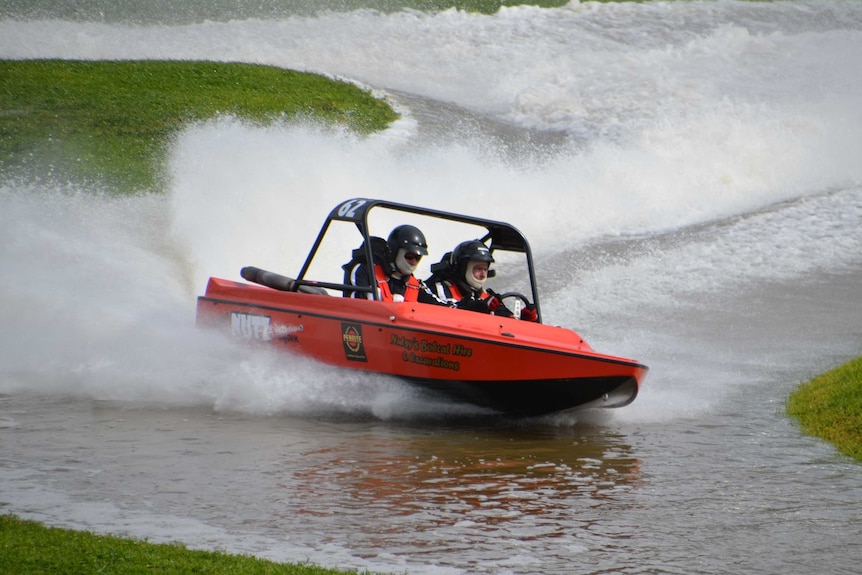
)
(268, 279)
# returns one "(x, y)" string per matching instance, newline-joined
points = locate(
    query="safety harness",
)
(410, 294)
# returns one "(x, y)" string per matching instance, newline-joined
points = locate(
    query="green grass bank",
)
(111, 121)
(830, 407)
(29, 548)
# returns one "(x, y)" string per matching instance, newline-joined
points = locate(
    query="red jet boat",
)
(516, 367)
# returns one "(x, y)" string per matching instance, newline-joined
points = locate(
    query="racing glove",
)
(529, 313)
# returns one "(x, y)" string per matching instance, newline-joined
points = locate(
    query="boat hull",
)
(516, 367)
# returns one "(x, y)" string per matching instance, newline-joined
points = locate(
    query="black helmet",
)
(409, 238)
(472, 250)
(467, 252)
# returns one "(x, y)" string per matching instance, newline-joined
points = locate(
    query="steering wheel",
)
(514, 295)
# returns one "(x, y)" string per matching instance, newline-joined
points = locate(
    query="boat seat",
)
(380, 252)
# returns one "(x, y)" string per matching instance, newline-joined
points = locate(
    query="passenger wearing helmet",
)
(393, 270)
(459, 280)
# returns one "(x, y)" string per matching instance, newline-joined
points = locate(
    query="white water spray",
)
(667, 128)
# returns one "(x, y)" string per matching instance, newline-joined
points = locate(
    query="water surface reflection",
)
(462, 488)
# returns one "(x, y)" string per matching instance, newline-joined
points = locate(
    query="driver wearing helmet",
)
(459, 279)
(395, 280)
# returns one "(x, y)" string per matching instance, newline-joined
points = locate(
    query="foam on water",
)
(581, 68)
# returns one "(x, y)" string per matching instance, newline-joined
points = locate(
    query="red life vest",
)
(410, 294)
(458, 296)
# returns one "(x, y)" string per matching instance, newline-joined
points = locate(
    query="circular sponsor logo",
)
(352, 338)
